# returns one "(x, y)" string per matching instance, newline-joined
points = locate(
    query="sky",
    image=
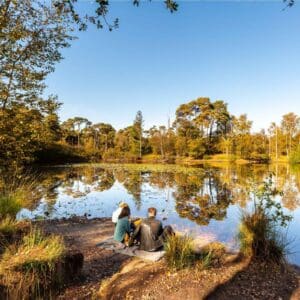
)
(246, 53)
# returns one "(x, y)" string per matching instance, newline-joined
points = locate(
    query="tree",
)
(80, 123)
(290, 125)
(31, 36)
(241, 127)
(100, 14)
(105, 135)
(204, 119)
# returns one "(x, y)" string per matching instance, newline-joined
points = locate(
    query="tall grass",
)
(8, 226)
(179, 252)
(17, 191)
(261, 239)
(260, 232)
(29, 269)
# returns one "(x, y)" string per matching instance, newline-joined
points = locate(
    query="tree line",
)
(201, 128)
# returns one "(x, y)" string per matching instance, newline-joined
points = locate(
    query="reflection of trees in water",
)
(105, 181)
(199, 198)
(133, 184)
(202, 199)
(162, 180)
(241, 177)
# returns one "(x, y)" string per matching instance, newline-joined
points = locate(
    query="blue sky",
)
(245, 53)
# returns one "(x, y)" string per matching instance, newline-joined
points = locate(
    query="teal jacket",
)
(123, 226)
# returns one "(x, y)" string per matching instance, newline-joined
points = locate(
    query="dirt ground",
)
(122, 277)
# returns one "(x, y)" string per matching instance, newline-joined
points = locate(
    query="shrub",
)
(29, 269)
(260, 235)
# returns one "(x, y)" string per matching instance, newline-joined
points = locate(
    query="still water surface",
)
(205, 201)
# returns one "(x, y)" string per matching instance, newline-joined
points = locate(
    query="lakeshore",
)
(107, 275)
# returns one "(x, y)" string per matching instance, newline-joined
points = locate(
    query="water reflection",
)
(198, 197)
(206, 202)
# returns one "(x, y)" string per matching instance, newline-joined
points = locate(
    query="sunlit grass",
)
(8, 226)
(180, 253)
(28, 269)
(16, 191)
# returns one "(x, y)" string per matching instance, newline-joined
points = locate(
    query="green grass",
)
(179, 252)
(29, 269)
(10, 205)
(16, 191)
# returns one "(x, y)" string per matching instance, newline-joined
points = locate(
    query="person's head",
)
(123, 204)
(125, 212)
(152, 212)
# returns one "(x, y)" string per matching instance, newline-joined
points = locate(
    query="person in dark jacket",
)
(151, 232)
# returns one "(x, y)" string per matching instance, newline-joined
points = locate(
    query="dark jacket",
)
(150, 232)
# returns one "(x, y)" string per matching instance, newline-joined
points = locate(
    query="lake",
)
(205, 201)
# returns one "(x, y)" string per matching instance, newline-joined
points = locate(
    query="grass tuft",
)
(8, 226)
(179, 252)
(260, 239)
(28, 269)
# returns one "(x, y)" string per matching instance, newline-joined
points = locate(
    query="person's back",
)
(123, 225)
(150, 232)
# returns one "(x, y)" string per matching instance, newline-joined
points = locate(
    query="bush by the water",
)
(30, 268)
(260, 232)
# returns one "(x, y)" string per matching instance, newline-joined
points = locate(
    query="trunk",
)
(140, 145)
(290, 142)
(276, 144)
(286, 145)
(161, 147)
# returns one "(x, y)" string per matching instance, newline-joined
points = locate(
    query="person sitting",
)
(123, 228)
(151, 234)
(116, 213)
